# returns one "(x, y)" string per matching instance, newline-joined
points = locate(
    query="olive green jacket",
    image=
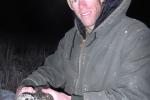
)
(112, 63)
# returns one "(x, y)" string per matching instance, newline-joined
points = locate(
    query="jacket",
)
(112, 63)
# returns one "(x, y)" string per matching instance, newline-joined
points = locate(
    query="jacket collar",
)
(113, 18)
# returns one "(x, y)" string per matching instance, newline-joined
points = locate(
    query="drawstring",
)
(72, 45)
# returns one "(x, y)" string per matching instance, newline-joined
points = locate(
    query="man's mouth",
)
(85, 14)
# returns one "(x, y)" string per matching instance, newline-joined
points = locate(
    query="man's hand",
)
(21, 90)
(57, 95)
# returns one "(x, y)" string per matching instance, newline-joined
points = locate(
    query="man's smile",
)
(85, 13)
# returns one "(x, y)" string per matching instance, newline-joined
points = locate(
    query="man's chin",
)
(87, 25)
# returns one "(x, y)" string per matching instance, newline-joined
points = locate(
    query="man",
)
(106, 56)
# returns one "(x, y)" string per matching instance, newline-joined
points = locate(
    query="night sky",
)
(46, 21)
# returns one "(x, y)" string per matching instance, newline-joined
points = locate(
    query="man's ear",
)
(70, 5)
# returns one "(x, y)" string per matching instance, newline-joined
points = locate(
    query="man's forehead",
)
(79, 0)
(75, 1)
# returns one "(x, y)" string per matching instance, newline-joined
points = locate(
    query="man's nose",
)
(82, 4)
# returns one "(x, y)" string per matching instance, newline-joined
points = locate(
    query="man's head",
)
(86, 10)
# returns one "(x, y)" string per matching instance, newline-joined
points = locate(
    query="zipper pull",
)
(82, 44)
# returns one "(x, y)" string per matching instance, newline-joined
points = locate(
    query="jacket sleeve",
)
(51, 73)
(134, 79)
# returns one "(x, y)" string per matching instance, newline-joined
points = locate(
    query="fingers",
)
(57, 95)
(25, 89)
(48, 90)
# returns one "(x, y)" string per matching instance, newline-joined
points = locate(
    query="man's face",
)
(86, 10)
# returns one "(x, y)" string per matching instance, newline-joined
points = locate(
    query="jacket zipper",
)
(81, 61)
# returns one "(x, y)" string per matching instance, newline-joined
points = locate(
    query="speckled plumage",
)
(36, 96)
(39, 95)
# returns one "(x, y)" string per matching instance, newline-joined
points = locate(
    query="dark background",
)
(45, 21)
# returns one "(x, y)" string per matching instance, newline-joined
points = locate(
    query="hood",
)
(111, 9)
